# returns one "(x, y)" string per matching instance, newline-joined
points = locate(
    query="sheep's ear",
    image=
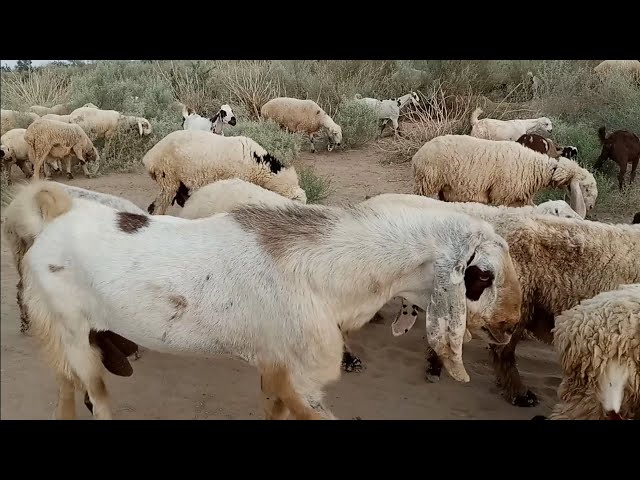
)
(446, 319)
(577, 200)
(405, 319)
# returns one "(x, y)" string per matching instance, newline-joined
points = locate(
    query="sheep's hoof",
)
(433, 372)
(529, 399)
(70, 176)
(351, 363)
(433, 378)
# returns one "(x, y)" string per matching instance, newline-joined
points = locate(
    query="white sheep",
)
(193, 121)
(89, 105)
(389, 110)
(302, 116)
(60, 118)
(186, 160)
(492, 129)
(60, 109)
(272, 286)
(58, 140)
(629, 67)
(467, 169)
(15, 150)
(104, 123)
(226, 195)
(598, 342)
(10, 119)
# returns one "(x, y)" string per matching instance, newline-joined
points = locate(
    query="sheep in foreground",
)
(543, 145)
(302, 116)
(492, 129)
(460, 168)
(58, 140)
(60, 109)
(324, 262)
(193, 121)
(10, 119)
(227, 195)
(408, 313)
(623, 147)
(186, 160)
(389, 110)
(15, 150)
(598, 342)
(104, 123)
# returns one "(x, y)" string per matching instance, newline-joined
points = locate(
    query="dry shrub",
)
(251, 83)
(46, 87)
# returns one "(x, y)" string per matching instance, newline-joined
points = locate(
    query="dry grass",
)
(251, 84)
(46, 87)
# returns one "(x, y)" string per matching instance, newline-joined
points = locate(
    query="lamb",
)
(598, 342)
(303, 116)
(15, 150)
(186, 160)
(226, 195)
(104, 123)
(10, 119)
(59, 109)
(623, 147)
(389, 110)
(58, 140)
(492, 129)
(461, 168)
(543, 145)
(193, 121)
(283, 284)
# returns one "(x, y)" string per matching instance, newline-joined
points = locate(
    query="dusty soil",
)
(392, 386)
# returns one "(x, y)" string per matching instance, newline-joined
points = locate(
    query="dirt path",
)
(169, 387)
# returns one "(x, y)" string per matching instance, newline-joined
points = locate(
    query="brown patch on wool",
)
(131, 222)
(55, 268)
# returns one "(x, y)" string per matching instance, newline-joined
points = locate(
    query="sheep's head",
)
(89, 105)
(335, 136)
(580, 182)
(415, 100)
(227, 115)
(557, 208)
(570, 152)
(4, 153)
(286, 183)
(544, 123)
(144, 127)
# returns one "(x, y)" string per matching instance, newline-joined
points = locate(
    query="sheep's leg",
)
(24, 318)
(394, 123)
(350, 363)
(47, 170)
(621, 174)
(384, 124)
(507, 374)
(313, 146)
(25, 166)
(280, 394)
(434, 366)
(68, 168)
(66, 407)
(87, 365)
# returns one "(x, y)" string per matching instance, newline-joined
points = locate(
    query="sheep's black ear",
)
(222, 113)
(476, 280)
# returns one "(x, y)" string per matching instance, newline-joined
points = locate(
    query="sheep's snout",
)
(498, 334)
(613, 415)
(232, 121)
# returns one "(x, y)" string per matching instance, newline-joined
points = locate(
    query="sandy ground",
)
(392, 386)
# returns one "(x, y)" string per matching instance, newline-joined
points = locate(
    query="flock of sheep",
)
(249, 269)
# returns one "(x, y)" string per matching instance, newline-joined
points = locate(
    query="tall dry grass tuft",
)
(46, 87)
(250, 83)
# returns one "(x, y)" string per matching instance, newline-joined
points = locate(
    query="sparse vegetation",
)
(570, 94)
(316, 187)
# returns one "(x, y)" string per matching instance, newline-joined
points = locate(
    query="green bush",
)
(278, 142)
(359, 123)
(316, 187)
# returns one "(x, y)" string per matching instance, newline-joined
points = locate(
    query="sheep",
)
(598, 342)
(284, 283)
(302, 116)
(104, 123)
(59, 109)
(60, 118)
(629, 67)
(543, 145)
(89, 105)
(623, 147)
(226, 195)
(193, 121)
(59, 140)
(407, 315)
(492, 129)
(461, 168)
(15, 150)
(389, 110)
(10, 119)
(186, 160)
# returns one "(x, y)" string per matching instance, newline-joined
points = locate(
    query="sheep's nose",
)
(232, 121)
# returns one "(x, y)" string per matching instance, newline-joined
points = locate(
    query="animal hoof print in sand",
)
(529, 399)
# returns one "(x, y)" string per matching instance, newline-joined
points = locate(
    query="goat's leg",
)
(507, 374)
(276, 385)
(313, 145)
(621, 174)
(604, 154)
(66, 407)
(87, 365)
(274, 407)
(634, 167)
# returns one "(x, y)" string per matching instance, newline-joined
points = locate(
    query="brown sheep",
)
(623, 147)
(540, 144)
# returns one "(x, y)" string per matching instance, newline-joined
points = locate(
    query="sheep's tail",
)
(602, 134)
(474, 116)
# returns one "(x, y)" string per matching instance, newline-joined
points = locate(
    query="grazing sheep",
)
(15, 150)
(10, 119)
(193, 121)
(104, 123)
(636, 218)
(540, 144)
(623, 147)
(59, 109)
(302, 116)
(460, 168)
(58, 140)
(598, 342)
(226, 195)
(630, 67)
(89, 105)
(282, 284)
(389, 110)
(60, 118)
(186, 160)
(492, 129)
